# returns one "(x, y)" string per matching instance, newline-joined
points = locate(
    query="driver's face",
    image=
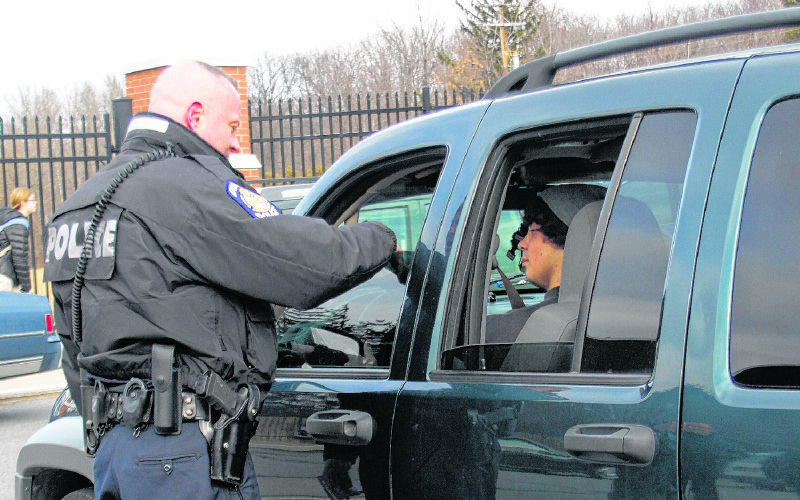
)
(541, 258)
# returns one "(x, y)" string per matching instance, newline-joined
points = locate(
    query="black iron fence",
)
(292, 139)
(52, 158)
(303, 137)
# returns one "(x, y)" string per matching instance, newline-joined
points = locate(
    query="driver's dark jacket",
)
(187, 265)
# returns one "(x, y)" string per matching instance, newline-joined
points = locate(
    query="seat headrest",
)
(577, 247)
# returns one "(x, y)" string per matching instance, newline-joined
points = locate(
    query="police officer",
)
(174, 343)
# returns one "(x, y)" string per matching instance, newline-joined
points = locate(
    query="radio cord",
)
(88, 244)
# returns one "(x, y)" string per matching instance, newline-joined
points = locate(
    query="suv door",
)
(740, 428)
(486, 418)
(347, 358)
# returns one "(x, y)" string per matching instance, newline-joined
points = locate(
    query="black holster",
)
(233, 429)
(228, 450)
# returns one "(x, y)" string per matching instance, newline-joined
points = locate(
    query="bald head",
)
(202, 98)
(182, 84)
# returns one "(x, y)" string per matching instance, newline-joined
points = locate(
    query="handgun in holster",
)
(234, 428)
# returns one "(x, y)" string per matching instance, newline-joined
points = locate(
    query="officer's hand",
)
(398, 266)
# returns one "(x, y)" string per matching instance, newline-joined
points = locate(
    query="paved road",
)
(19, 419)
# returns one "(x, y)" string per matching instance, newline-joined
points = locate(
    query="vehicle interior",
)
(357, 328)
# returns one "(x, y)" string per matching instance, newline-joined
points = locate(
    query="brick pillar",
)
(139, 83)
(239, 75)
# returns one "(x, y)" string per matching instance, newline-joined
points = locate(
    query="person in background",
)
(14, 225)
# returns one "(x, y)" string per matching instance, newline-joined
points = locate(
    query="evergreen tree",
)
(499, 33)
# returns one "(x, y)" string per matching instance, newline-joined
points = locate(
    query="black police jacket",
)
(16, 236)
(185, 255)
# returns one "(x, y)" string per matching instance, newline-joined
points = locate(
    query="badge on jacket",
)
(254, 204)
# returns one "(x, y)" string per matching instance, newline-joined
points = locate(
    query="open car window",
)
(603, 313)
(357, 328)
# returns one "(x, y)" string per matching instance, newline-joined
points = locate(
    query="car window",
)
(622, 203)
(357, 328)
(764, 340)
(403, 215)
(625, 309)
(579, 157)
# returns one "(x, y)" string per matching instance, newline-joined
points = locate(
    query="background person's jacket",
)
(180, 260)
(14, 262)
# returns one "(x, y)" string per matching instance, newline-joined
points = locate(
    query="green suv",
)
(669, 366)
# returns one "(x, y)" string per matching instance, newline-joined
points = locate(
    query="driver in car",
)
(543, 231)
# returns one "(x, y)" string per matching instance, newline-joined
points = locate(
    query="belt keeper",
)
(99, 417)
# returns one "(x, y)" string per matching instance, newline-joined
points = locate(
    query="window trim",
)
(384, 167)
(496, 377)
(343, 372)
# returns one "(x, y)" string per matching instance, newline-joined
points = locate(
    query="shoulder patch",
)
(254, 204)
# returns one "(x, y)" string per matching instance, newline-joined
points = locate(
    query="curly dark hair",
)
(551, 226)
(537, 211)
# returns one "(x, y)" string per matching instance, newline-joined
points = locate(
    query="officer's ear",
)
(194, 113)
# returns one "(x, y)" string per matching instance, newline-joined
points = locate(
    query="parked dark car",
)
(287, 196)
(28, 342)
(669, 365)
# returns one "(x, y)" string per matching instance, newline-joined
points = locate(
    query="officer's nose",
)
(235, 146)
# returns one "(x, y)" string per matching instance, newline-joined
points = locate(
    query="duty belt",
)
(162, 403)
(194, 408)
(134, 406)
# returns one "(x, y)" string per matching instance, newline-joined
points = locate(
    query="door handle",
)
(348, 427)
(611, 443)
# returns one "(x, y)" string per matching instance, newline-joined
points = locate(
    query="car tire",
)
(83, 494)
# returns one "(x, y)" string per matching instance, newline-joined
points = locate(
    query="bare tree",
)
(35, 101)
(402, 59)
(112, 89)
(271, 78)
(84, 100)
(330, 72)
(563, 31)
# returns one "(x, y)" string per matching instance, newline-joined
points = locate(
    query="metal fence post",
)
(426, 100)
(122, 110)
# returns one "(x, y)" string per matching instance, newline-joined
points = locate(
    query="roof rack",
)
(540, 72)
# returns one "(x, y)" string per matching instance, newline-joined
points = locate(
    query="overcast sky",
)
(60, 44)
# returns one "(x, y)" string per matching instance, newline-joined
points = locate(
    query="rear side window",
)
(764, 326)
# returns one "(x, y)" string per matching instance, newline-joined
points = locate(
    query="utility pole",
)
(503, 40)
(502, 24)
